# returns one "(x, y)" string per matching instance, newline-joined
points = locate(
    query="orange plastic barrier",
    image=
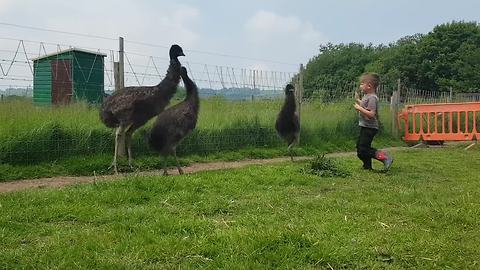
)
(441, 122)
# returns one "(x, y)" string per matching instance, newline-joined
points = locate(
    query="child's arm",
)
(367, 113)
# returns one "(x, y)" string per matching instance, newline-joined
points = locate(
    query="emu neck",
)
(173, 72)
(192, 96)
(192, 93)
(290, 104)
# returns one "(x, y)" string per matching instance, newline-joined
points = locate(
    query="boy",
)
(368, 122)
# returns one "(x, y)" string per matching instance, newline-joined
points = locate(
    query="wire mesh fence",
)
(239, 106)
(58, 144)
(335, 92)
(331, 92)
(225, 124)
(321, 126)
(418, 96)
(47, 134)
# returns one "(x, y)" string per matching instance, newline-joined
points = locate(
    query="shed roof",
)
(68, 50)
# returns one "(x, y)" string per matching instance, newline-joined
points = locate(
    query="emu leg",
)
(180, 171)
(121, 141)
(120, 132)
(128, 144)
(165, 166)
(289, 149)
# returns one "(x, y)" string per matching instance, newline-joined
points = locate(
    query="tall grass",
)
(20, 116)
(31, 133)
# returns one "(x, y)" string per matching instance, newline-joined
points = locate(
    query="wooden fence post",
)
(116, 75)
(299, 96)
(121, 64)
(394, 106)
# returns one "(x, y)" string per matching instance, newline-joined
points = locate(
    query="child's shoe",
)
(387, 163)
(386, 159)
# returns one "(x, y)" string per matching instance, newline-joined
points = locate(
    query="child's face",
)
(366, 86)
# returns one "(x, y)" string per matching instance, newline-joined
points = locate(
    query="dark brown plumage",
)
(175, 123)
(131, 107)
(288, 124)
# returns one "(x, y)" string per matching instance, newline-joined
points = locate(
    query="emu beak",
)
(182, 54)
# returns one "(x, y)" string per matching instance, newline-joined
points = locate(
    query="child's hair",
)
(372, 78)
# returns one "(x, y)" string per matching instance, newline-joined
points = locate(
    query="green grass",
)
(423, 214)
(33, 138)
(50, 141)
(98, 164)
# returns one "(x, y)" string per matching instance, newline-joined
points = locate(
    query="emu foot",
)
(114, 166)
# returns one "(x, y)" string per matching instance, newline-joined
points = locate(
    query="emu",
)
(131, 107)
(175, 123)
(288, 124)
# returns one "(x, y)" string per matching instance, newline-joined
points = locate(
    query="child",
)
(368, 122)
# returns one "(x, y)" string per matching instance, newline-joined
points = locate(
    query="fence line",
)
(208, 76)
(144, 69)
(249, 125)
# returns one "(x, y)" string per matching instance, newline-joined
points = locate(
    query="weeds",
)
(325, 167)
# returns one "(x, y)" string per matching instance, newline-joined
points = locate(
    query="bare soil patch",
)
(61, 181)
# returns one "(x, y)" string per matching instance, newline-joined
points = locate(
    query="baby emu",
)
(288, 124)
(175, 123)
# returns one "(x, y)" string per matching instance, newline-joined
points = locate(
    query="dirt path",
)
(61, 181)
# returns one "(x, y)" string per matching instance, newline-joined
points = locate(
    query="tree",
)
(337, 64)
(448, 56)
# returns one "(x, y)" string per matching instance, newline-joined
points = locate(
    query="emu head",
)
(289, 89)
(176, 51)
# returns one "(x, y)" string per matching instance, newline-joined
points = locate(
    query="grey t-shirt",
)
(369, 102)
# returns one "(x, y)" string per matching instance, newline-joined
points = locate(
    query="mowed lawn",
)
(423, 214)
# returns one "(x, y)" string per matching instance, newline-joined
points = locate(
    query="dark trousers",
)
(365, 152)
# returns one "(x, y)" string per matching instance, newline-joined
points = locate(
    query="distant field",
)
(423, 214)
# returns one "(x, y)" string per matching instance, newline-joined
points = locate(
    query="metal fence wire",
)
(326, 115)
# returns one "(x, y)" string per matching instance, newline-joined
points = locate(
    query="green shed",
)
(69, 75)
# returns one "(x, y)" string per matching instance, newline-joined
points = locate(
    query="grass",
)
(423, 214)
(71, 140)
(21, 116)
(97, 164)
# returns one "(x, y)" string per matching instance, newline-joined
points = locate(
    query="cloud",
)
(160, 23)
(285, 36)
(268, 24)
(5, 5)
(178, 26)
(150, 22)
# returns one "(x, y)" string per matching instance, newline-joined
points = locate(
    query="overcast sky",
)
(286, 33)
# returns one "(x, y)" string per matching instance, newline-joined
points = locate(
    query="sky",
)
(269, 35)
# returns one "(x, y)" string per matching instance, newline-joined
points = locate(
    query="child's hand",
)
(357, 95)
(357, 107)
